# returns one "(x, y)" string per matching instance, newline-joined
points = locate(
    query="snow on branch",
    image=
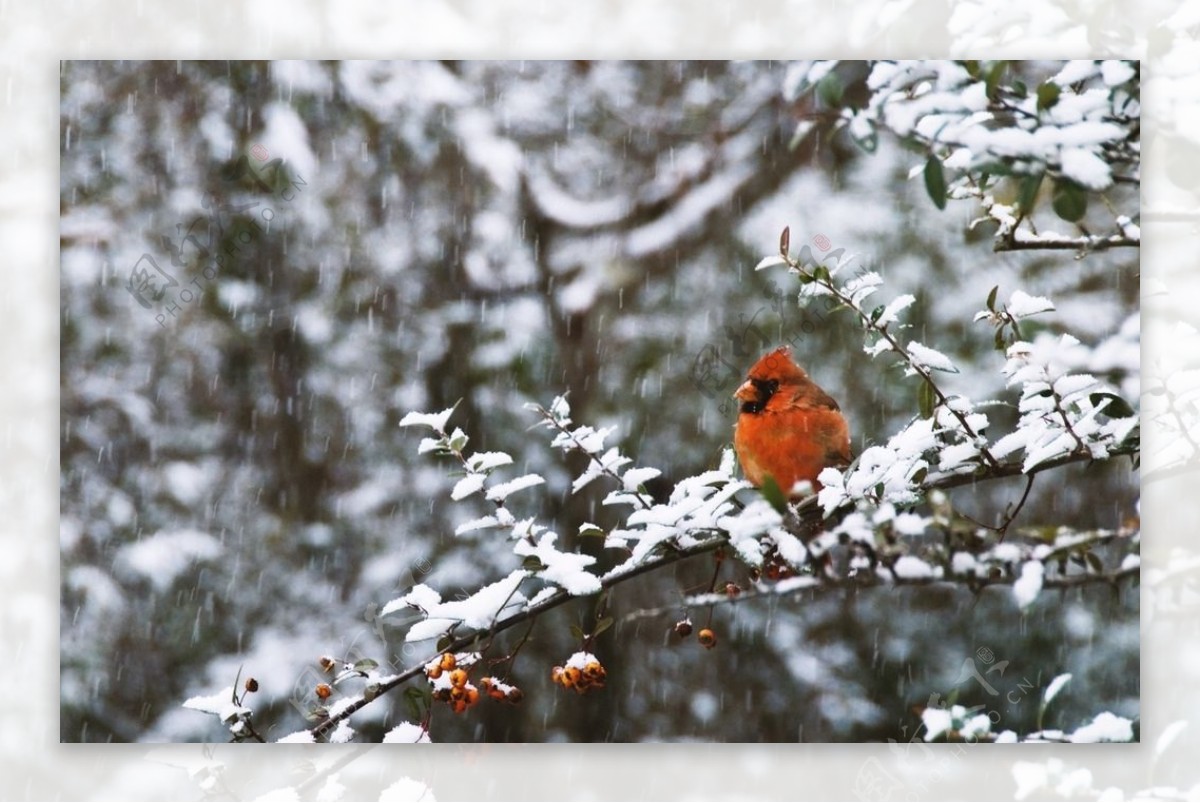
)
(875, 538)
(987, 135)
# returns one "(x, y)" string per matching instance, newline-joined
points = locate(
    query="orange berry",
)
(433, 672)
(707, 638)
(448, 661)
(326, 663)
(556, 674)
(472, 695)
(459, 706)
(515, 695)
(571, 677)
(458, 693)
(458, 677)
(324, 690)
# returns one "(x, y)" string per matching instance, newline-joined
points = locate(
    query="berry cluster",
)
(774, 568)
(582, 672)
(498, 690)
(451, 681)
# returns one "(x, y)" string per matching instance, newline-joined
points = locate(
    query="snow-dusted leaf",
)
(770, 262)
(636, 477)
(477, 611)
(436, 421)
(477, 524)
(420, 596)
(931, 359)
(1027, 587)
(1055, 687)
(893, 310)
(298, 737)
(487, 461)
(220, 704)
(498, 493)
(467, 485)
(407, 733)
(1022, 305)
(758, 518)
(609, 461)
(565, 569)
(430, 445)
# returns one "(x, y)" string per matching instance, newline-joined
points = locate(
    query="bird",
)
(788, 429)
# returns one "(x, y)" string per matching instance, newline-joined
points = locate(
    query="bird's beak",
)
(747, 392)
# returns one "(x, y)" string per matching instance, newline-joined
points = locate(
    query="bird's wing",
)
(812, 396)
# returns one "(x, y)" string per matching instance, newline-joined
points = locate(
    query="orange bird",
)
(787, 427)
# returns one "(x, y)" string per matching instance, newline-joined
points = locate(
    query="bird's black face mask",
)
(766, 389)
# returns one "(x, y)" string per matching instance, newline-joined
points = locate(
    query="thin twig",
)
(874, 580)
(603, 468)
(882, 331)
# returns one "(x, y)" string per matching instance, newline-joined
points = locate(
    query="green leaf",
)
(1047, 95)
(1070, 201)
(1019, 89)
(935, 181)
(1117, 407)
(416, 701)
(1094, 564)
(821, 274)
(926, 398)
(578, 633)
(992, 81)
(365, 665)
(602, 625)
(532, 564)
(444, 642)
(875, 313)
(774, 496)
(591, 531)
(999, 342)
(1027, 196)
(991, 299)
(829, 90)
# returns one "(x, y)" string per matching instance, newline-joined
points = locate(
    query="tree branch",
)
(1015, 241)
(875, 580)
(807, 510)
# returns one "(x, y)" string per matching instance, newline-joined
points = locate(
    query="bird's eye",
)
(766, 387)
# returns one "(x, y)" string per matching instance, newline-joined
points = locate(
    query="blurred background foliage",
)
(358, 240)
